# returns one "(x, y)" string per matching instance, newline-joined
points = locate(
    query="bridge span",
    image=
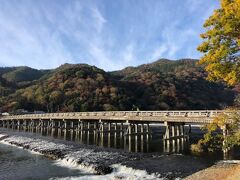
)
(200, 117)
(124, 124)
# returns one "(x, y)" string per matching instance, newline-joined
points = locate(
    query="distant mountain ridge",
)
(161, 85)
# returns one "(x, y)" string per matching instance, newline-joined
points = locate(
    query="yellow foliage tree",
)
(221, 46)
(213, 139)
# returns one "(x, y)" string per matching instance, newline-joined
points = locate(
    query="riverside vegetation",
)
(213, 140)
(221, 59)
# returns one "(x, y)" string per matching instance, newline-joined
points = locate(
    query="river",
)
(17, 163)
(86, 159)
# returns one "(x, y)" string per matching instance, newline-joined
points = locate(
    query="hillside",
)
(13, 78)
(161, 85)
(181, 84)
(161, 66)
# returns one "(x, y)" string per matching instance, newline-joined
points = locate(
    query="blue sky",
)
(110, 34)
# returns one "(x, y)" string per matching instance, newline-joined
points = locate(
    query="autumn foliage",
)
(221, 46)
(162, 85)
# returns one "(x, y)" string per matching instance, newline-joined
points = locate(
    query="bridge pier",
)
(39, 125)
(121, 134)
(129, 131)
(132, 128)
(174, 136)
(30, 126)
(95, 131)
(135, 134)
(11, 124)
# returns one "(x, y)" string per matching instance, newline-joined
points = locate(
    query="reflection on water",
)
(17, 163)
(140, 138)
(136, 139)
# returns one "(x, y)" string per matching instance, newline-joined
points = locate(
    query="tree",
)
(213, 138)
(221, 46)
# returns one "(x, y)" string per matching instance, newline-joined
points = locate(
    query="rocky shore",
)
(220, 171)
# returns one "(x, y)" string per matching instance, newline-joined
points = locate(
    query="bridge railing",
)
(165, 114)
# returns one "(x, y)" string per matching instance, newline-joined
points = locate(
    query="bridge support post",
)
(65, 129)
(88, 131)
(37, 122)
(178, 135)
(173, 137)
(25, 124)
(53, 125)
(71, 129)
(182, 135)
(47, 126)
(19, 124)
(109, 134)
(42, 125)
(81, 130)
(115, 135)
(148, 135)
(136, 137)
(121, 134)
(101, 132)
(130, 137)
(8, 124)
(95, 125)
(59, 124)
(174, 133)
(30, 125)
(142, 137)
(166, 137)
(35, 125)
(12, 123)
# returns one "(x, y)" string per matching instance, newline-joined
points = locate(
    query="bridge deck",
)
(144, 116)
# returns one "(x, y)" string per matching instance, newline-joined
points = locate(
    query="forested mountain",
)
(161, 85)
(13, 78)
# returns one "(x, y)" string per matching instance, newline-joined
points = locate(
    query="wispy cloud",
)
(110, 35)
(159, 52)
(99, 19)
(27, 40)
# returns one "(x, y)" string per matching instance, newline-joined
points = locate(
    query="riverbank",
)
(107, 162)
(220, 171)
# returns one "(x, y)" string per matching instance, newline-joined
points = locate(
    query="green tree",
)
(213, 139)
(221, 46)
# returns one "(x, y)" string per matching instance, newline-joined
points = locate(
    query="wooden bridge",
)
(200, 117)
(125, 123)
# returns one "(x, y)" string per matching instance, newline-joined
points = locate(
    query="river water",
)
(18, 163)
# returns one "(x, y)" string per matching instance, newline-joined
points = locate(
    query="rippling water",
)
(17, 164)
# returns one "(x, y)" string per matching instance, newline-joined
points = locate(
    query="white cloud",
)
(45, 34)
(159, 52)
(100, 57)
(129, 54)
(99, 19)
(25, 43)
